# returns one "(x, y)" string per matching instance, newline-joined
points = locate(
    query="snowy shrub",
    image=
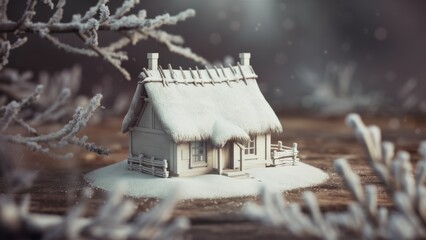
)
(363, 218)
(59, 98)
(335, 93)
(22, 102)
(12, 114)
(116, 219)
(411, 96)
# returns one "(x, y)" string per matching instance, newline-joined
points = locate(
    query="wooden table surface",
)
(321, 141)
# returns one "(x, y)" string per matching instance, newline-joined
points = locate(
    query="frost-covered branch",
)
(49, 143)
(134, 27)
(116, 219)
(364, 218)
(410, 96)
(59, 93)
(274, 211)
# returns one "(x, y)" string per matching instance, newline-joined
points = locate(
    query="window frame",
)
(197, 163)
(250, 148)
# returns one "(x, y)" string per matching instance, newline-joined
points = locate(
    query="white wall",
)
(268, 149)
(184, 155)
(226, 156)
(257, 160)
(150, 143)
(149, 139)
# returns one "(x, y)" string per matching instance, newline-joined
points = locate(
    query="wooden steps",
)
(235, 173)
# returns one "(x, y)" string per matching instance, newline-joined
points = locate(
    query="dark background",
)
(385, 39)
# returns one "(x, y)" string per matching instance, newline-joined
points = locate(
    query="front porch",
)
(279, 155)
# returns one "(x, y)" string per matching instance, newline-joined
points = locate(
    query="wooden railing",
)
(281, 154)
(151, 166)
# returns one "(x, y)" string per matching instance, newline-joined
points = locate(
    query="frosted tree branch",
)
(59, 93)
(10, 112)
(168, 41)
(136, 27)
(28, 15)
(363, 218)
(49, 3)
(115, 219)
(57, 16)
(49, 143)
(56, 105)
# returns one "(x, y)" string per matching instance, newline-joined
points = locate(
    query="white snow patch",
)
(206, 186)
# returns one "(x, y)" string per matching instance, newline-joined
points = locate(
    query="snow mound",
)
(205, 186)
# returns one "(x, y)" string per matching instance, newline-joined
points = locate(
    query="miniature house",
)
(198, 121)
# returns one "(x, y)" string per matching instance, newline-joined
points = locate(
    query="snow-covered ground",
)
(206, 186)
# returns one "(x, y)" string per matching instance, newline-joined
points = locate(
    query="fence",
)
(281, 154)
(152, 166)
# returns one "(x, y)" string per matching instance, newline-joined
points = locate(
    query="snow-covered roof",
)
(216, 104)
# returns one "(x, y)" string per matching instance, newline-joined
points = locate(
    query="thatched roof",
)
(218, 104)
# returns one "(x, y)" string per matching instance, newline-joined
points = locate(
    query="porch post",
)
(219, 160)
(241, 159)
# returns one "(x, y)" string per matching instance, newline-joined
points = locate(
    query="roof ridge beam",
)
(224, 75)
(199, 74)
(242, 73)
(183, 75)
(210, 76)
(163, 76)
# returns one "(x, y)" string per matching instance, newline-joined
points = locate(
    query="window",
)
(198, 154)
(250, 147)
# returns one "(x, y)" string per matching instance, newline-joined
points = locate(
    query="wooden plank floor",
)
(320, 140)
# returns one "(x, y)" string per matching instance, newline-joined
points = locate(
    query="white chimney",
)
(245, 58)
(152, 61)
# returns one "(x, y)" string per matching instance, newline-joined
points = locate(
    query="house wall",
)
(149, 139)
(184, 157)
(260, 159)
(150, 143)
(226, 155)
(149, 118)
(268, 149)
